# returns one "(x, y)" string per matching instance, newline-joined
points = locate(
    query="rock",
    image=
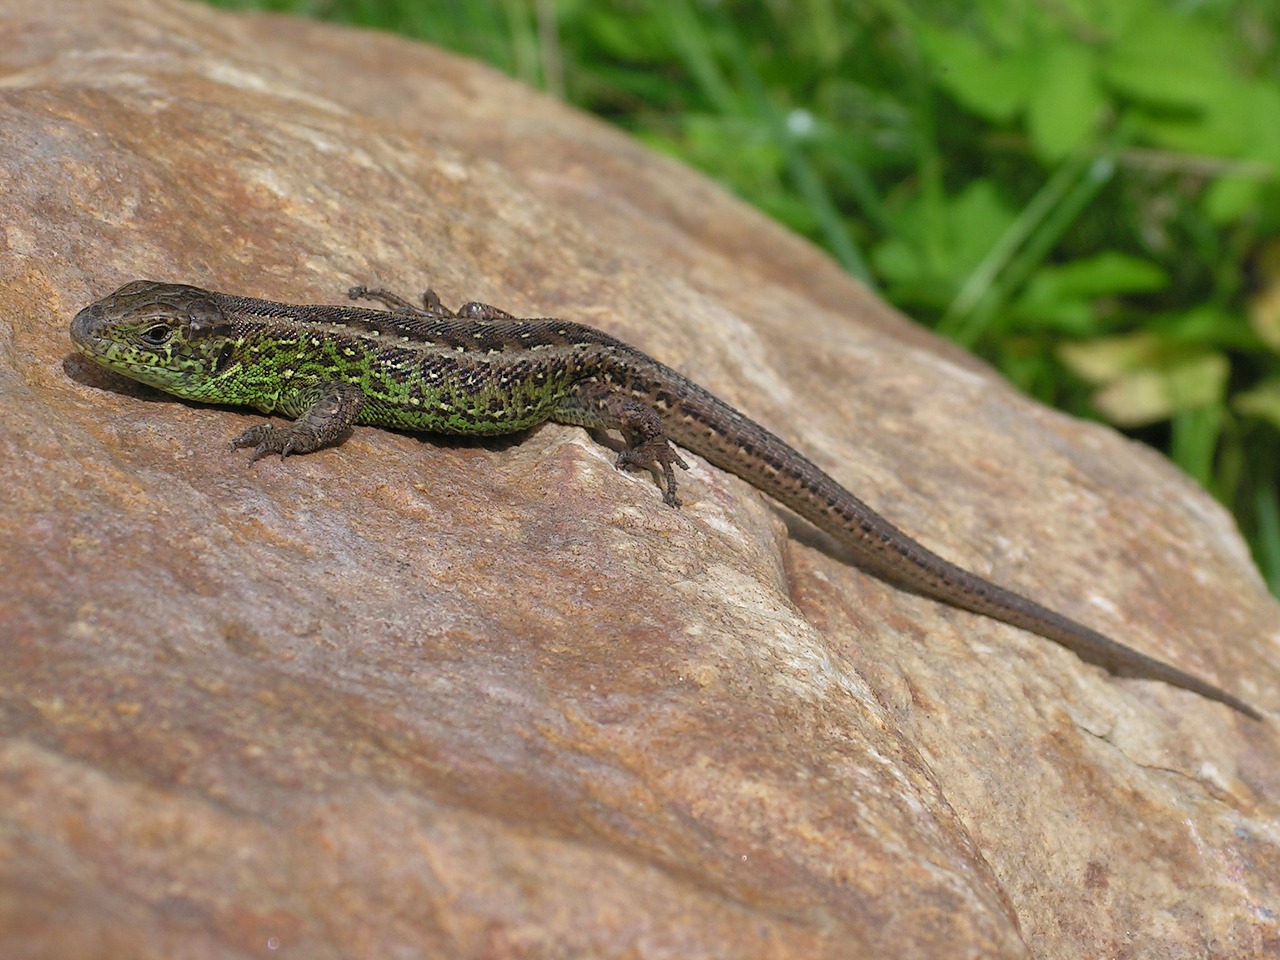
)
(438, 699)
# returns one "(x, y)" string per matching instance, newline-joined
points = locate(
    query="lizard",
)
(480, 371)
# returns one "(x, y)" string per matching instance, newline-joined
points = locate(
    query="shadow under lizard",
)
(480, 371)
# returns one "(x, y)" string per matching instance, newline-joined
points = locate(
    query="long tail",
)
(699, 421)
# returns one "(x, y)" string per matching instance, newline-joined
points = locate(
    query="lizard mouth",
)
(87, 334)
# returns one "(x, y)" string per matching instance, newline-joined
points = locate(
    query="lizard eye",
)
(158, 335)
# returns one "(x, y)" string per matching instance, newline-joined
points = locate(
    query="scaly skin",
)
(481, 371)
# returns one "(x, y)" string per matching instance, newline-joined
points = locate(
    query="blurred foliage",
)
(1085, 192)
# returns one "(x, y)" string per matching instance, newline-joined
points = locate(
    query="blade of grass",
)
(1266, 505)
(783, 127)
(691, 41)
(957, 323)
(1194, 436)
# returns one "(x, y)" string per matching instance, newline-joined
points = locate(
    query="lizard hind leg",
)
(431, 305)
(598, 406)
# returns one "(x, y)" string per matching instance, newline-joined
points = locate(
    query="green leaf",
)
(1067, 102)
(1106, 359)
(1106, 17)
(898, 260)
(1205, 324)
(1263, 98)
(1263, 402)
(1076, 318)
(1230, 198)
(1062, 297)
(991, 84)
(1168, 58)
(975, 219)
(938, 245)
(1104, 274)
(1150, 395)
(1221, 123)
(1264, 313)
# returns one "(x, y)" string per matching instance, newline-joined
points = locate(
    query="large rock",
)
(408, 698)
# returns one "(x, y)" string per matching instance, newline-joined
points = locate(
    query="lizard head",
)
(167, 335)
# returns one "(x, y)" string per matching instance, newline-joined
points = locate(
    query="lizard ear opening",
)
(205, 319)
(224, 358)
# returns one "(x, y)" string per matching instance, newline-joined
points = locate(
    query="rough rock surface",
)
(414, 699)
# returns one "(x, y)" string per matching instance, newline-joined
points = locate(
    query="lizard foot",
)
(266, 439)
(431, 305)
(656, 449)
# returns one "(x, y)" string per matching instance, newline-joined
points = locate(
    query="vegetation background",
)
(1084, 192)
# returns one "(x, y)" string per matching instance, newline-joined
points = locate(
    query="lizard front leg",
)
(600, 406)
(332, 411)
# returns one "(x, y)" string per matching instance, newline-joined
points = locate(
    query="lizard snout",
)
(87, 325)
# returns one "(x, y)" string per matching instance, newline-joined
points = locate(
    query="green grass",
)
(1085, 192)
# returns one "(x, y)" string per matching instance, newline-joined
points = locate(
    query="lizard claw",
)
(265, 439)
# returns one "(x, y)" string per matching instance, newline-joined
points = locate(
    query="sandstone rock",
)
(436, 699)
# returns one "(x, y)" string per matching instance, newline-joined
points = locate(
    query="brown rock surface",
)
(410, 699)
